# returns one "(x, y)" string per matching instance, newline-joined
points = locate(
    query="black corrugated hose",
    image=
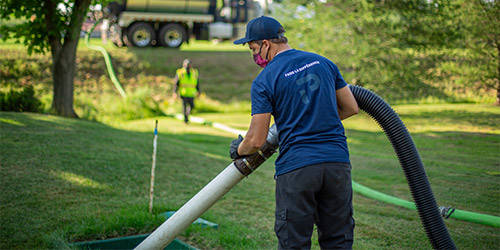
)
(412, 165)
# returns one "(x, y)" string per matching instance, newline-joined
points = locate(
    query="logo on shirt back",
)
(310, 78)
(313, 81)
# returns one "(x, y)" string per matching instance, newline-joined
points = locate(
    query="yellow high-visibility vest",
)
(187, 83)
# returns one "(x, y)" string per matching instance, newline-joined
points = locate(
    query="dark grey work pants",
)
(318, 194)
(187, 106)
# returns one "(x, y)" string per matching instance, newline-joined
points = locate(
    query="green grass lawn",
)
(67, 180)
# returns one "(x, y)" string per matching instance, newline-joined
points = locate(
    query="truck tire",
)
(141, 35)
(172, 35)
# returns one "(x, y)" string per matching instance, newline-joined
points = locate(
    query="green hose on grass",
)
(107, 59)
(458, 214)
(484, 219)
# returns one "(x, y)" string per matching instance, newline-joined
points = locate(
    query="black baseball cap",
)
(261, 28)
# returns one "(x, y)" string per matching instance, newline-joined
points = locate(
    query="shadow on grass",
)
(87, 180)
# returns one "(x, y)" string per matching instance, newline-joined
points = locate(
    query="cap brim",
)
(242, 41)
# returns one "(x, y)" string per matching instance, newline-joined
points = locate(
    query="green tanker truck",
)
(169, 23)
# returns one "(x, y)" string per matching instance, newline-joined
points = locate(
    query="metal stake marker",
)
(153, 169)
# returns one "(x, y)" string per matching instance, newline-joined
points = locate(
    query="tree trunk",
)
(498, 76)
(64, 54)
(63, 73)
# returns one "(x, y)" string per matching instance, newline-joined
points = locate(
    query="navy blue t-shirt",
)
(299, 89)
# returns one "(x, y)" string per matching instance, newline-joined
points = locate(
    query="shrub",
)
(20, 101)
(110, 106)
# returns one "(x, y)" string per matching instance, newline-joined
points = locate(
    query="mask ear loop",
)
(267, 54)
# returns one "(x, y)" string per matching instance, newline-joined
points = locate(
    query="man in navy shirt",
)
(308, 98)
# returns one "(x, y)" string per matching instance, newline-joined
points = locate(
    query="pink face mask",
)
(259, 60)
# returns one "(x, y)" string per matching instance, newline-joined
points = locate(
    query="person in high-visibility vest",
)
(188, 85)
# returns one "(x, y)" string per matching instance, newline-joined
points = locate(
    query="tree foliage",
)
(42, 21)
(50, 25)
(401, 45)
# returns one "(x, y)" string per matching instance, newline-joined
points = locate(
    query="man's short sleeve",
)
(261, 99)
(339, 80)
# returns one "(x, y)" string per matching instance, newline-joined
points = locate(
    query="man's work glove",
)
(233, 149)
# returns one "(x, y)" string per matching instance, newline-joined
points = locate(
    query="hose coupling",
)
(446, 211)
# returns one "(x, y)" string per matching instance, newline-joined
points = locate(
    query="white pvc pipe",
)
(229, 129)
(214, 124)
(193, 209)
